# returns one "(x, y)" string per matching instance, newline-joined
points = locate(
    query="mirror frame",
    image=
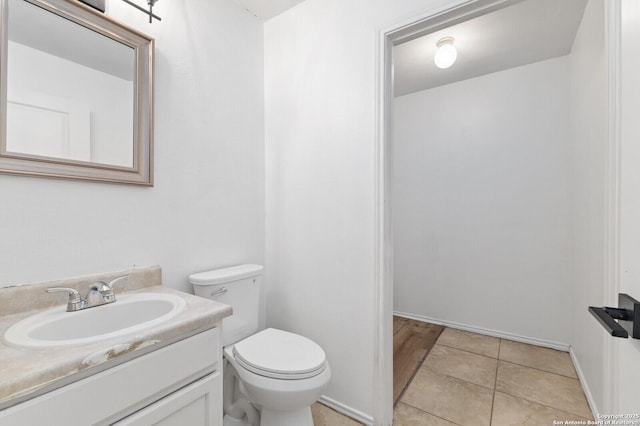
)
(141, 173)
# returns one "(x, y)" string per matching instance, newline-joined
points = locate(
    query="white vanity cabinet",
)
(195, 404)
(177, 385)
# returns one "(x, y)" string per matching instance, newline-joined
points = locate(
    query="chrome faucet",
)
(99, 293)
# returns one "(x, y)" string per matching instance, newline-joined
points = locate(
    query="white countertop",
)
(26, 373)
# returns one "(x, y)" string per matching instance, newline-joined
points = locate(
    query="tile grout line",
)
(543, 371)
(544, 405)
(431, 414)
(538, 402)
(465, 350)
(455, 378)
(514, 341)
(462, 350)
(542, 348)
(510, 362)
(495, 383)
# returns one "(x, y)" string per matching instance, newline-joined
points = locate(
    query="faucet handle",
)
(74, 303)
(106, 289)
(100, 286)
(112, 282)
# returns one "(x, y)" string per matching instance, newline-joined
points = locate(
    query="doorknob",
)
(623, 321)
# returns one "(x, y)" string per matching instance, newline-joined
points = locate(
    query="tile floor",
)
(471, 379)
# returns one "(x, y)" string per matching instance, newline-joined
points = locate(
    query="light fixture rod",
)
(145, 11)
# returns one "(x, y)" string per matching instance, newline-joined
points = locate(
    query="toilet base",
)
(301, 417)
(230, 421)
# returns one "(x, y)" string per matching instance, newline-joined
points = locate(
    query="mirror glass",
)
(76, 94)
(69, 89)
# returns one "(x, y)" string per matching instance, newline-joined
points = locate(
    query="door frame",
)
(417, 26)
(613, 199)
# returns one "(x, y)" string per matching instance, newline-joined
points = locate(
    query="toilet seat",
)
(280, 355)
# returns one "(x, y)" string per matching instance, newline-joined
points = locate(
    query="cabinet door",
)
(197, 404)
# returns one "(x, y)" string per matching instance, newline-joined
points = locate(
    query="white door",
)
(627, 363)
(47, 125)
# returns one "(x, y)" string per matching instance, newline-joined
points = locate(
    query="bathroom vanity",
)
(167, 374)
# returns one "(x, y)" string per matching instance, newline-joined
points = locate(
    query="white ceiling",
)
(267, 9)
(523, 33)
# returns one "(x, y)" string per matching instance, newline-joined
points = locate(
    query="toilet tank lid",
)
(225, 275)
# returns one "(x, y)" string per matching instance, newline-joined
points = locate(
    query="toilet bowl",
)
(271, 377)
(281, 374)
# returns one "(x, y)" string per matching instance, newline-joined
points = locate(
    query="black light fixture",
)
(99, 5)
(149, 12)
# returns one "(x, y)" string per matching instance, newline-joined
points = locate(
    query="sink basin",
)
(129, 314)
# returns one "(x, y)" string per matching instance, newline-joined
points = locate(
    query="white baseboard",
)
(488, 332)
(585, 386)
(346, 410)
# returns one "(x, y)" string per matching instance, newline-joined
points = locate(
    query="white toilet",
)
(271, 377)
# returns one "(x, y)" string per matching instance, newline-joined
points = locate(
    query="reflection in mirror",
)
(77, 94)
(69, 90)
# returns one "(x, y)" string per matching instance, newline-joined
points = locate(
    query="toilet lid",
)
(280, 354)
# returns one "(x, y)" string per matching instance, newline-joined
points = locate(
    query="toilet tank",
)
(238, 286)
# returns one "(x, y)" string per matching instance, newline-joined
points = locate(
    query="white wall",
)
(207, 206)
(320, 142)
(480, 202)
(588, 160)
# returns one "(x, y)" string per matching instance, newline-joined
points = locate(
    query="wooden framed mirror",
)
(76, 94)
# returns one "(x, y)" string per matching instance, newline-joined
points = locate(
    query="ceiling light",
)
(446, 54)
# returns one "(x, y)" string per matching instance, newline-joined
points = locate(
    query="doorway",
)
(431, 23)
